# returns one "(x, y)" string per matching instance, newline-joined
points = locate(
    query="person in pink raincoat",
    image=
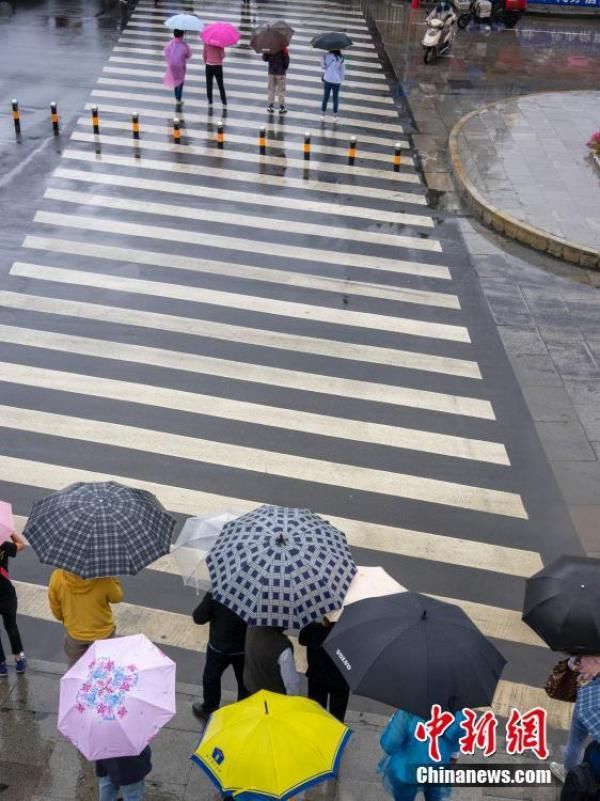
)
(176, 54)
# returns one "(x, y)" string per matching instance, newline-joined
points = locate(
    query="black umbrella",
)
(562, 604)
(99, 529)
(411, 651)
(271, 37)
(332, 40)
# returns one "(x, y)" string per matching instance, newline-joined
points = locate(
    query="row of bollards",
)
(135, 129)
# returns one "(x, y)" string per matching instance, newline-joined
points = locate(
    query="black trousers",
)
(335, 699)
(216, 664)
(215, 71)
(8, 612)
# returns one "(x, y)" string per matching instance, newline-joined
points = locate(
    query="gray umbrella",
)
(99, 529)
(271, 37)
(332, 40)
(280, 567)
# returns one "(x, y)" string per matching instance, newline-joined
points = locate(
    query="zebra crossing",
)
(225, 329)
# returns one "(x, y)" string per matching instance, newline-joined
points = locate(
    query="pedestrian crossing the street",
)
(226, 329)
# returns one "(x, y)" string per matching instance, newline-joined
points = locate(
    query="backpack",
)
(583, 782)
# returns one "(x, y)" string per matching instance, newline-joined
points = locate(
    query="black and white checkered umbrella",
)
(280, 567)
(99, 529)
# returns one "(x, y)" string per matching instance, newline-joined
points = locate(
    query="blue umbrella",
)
(184, 22)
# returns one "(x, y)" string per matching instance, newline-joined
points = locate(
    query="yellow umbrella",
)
(270, 746)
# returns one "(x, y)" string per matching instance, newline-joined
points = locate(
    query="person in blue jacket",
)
(405, 753)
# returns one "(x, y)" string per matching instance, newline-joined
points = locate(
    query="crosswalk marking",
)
(197, 190)
(285, 309)
(255, 413)
(349, 259)
(244, 335)
(242, 457)
(237, 176)
(246, 371)
(353, 25)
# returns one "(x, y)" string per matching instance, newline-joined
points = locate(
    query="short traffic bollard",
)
(220, 135)
(352, 151)
(307, 146)
(135, 125)
(95, 120)
(262, 140)
(16, 115)
(176, 131)
(397, 156)
(54, 118)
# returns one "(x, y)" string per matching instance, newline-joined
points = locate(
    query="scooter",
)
(440, 33)
(484, 12)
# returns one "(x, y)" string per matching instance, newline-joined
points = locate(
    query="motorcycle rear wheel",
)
(463, 21)
(429, 55)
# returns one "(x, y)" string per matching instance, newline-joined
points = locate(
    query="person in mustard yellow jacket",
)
(84, 608)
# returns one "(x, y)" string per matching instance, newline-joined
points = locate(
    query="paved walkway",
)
(523, 166)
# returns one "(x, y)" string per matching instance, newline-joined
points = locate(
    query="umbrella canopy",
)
(197, 537)
(7, 523)
(116, 697)
(220, 34)
(271, 744)
(411, 652)
(369, 582)
(184, 22)
(99, 529)
(271, 37)
(562, 604)
(332, 40)
(280, 567)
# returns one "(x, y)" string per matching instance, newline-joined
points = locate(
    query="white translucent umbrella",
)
(184, 22)
(197, 537)
(369, 582)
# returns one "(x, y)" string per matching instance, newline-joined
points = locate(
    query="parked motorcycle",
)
(484, 12)
(440, 32)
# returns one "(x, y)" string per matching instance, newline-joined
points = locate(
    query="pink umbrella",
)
(116, 697)
(7, 524)
(220, 34)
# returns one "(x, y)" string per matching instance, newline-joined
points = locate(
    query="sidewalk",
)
(38, 764)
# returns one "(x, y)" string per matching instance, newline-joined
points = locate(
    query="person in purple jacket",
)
(176, 54)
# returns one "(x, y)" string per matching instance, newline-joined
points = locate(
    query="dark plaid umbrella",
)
(280, 567)
(331, 40)
(271, 37)
(99, 529)
(562, 604)
(411, 651)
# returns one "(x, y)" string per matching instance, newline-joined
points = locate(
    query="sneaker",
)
(21, 663)
(335, 118)
(3, 670)
(282, 110)
(558, 770)
(200, 712)
(270, 109)
(322, 118)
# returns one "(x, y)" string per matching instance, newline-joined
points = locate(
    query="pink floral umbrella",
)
(220, 34)
(115, 699)
(7, 524)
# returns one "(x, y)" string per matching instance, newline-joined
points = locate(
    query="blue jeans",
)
(578, 734)
(130, 792)
(178, 92)
(328, 88)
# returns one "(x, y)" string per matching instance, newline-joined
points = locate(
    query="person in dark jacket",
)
(8, 605)
(278, 66)
(226, 636)
(124, 774)
(326, 685)
(269, 661)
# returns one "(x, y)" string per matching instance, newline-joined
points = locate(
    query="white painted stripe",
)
(297, 68)
(243, 271)
(363, 157)
(243, 220)
(300, 381)
(189, 326)
(198, 190)
(210, 151)
(340, 9)
(233, 243)
(254, 413)
(242, 67)
(372, 536)
(296, 114)
(302, 19)
(191, 294)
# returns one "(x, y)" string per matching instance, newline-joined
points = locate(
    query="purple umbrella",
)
(220, 34)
